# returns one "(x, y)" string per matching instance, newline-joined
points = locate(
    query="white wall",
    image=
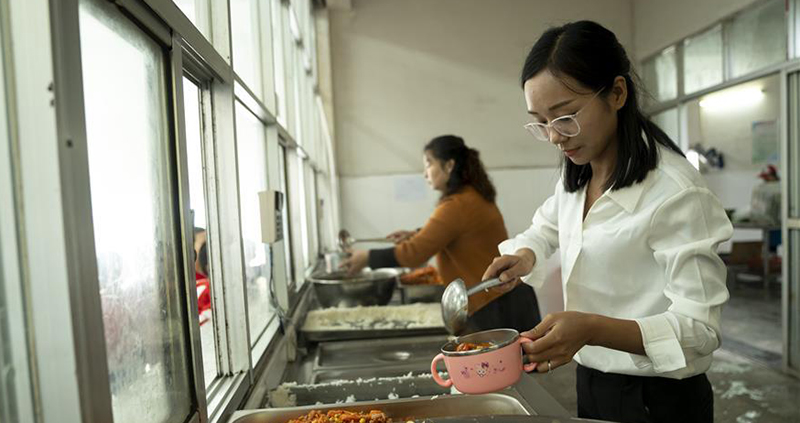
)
(378, 205)
(405, 71)
(659, 23)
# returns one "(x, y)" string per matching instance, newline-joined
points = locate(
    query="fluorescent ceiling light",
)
(732, 99)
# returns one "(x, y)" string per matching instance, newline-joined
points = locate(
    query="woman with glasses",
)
(637, 231)
(462, 234)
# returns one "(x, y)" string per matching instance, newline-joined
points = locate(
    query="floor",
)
(749, 386)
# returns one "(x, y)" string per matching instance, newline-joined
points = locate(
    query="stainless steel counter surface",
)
(392, 375)
(519, 403)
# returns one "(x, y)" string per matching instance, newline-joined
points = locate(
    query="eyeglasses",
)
(566, 125)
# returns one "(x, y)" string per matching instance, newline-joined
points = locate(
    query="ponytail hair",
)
(468, 168)
(591, 55)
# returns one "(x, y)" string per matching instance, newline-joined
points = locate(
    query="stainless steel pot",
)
(337, 289)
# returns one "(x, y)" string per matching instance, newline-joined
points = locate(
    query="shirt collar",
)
(628, 197)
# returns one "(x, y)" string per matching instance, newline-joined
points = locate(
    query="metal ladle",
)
(346, 241)
(455, 301)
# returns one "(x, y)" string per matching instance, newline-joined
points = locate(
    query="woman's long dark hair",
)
(591, 54)
(468, 169)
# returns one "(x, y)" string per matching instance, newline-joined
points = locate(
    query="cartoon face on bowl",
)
(483, 362)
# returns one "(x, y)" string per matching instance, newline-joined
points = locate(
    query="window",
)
(8, 402)
(297, 210)
(192, 101)
(133, 213)
(757, 38)
(198, 12)
(279, 47)
(311, 212)
(287, 218)
(660, 75)
(303, 217)
(246, 43)
(290, 71)
(150, 170)
(15, 389)
(702, 60)
(668, 122)
(252, 156)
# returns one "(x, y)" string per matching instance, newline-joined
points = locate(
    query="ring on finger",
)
(549, 366)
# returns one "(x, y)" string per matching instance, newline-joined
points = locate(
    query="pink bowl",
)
(486, 370)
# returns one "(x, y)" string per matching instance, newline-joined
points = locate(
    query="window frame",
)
(792, 34)
(84, 375)
(13, 322)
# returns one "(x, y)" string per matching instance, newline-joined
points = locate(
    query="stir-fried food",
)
(469, 346)
(343, 416)
(422, 276)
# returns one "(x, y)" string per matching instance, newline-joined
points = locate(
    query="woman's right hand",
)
(400, 236)
(510, 269)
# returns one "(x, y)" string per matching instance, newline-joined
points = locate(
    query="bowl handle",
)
(435, 373)
(530, 366)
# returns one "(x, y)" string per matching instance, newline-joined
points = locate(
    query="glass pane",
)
(757, 38)
(311, 214)
(793, 147)
(290, 73)
(9, 372)
(133, 217)
(794, 168)
(197, 12)
(287, 235)
(246, 44)
(702, 61)
(197, 198)
(303, 209)
(661, 75)
(668, 122)
(294, 172)
(252, 155)
(278, 54)
(8, 401)
(794, 294)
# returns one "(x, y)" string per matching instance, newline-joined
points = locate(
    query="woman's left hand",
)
(557, 339)
(357, 261)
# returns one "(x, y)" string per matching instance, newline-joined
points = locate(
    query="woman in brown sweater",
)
(463, 234)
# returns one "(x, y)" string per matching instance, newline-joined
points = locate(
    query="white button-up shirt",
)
(647, 253)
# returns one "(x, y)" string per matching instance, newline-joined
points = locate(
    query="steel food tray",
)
(400, 410)
(353, 334)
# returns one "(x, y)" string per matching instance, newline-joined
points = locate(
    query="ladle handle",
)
(489, 283)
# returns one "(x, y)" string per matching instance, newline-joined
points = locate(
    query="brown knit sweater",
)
(463, 233)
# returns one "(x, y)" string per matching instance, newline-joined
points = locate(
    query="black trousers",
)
(623, 398)
(517, 309)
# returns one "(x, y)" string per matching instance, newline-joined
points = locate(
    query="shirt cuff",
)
(664, 352)
(537, 275)
(381, 258)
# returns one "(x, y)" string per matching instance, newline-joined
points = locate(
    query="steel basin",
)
(421, 293)
(400, 410)
(337, 289)
(330, 375)
(384, 352)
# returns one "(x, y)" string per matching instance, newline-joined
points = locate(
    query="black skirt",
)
(624, 398)
(516, 309)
